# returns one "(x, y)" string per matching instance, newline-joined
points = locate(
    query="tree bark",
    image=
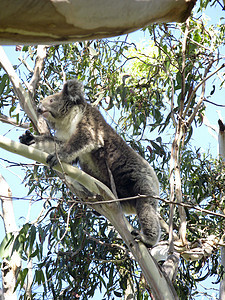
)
(10, 267)
(54, 21)
(221, 141)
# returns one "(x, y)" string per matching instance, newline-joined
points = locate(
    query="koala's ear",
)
(73, 91)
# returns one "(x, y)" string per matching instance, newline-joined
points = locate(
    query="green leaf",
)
(32, 236)
(21, 278)
(110, 283)
(5, 245)
(159, 150)
(3, 83)
(39, 277)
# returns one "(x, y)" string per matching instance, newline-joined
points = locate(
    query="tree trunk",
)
(54, 21)
(10, 267)
(221, 140)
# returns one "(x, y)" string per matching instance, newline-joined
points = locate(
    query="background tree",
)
(155, 97)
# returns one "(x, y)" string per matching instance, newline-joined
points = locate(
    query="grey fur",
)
(82, 133)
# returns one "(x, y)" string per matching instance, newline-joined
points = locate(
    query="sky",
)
(202, 138)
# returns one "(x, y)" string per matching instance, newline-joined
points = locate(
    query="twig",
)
(67, 224)
(105, 244)
(24, 62)
(63, 74)
(187, 205)
(8, 120)
(93, 202)
(194, 92)
(191, 206)
(220, 105)
(166, 54)
(39, 219)
(172, 97)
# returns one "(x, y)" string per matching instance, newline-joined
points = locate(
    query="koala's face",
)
(52, 107)
(57, 106)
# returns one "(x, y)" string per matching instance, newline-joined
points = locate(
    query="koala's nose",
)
(40, 108)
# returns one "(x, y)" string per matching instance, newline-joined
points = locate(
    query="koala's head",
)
(57, 106)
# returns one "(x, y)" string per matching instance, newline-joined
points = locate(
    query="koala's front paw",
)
(52, 160)
(27, 138)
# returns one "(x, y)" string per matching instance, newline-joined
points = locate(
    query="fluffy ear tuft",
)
(73, 90)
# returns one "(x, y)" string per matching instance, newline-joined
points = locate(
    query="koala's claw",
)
(27, 138)
(52, 160)
(139, 238)
(136, 235)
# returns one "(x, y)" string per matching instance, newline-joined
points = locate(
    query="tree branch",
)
(39, 64)
(191, 118)
(8, 120)
(25, 98)
(23, 95)
(221, 141)
(10, 266)
(81, 20)
(183, 67)
(219, 105)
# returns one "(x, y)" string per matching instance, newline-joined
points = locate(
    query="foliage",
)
(142, 91)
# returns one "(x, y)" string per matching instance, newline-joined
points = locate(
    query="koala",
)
(82, 134)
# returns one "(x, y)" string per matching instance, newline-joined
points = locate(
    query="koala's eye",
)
(51, 100)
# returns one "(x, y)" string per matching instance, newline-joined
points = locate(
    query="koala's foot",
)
(52, 160)
(27, 138)
(149, 221)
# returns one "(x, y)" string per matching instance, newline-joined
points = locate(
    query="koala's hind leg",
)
(149, 222)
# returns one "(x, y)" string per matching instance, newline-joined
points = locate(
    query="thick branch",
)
(7, 206)
(172, 198)
(221, 140)
(10, 267)
(40, 156)
(176, 184)
(39, 64)
(222, 282)
(184, 47)
(53, 21)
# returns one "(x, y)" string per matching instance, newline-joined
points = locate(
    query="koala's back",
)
(131, 173)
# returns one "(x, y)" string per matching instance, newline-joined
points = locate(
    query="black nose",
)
(39, 109)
